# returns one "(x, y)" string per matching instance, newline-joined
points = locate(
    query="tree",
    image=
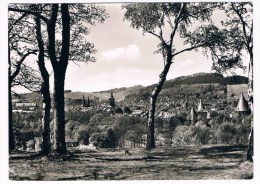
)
(38, 44)
(18, 72)
(112, 103)
(156, 19)
(239, 30)
(69, 21)
(45, 86)
(59, 68)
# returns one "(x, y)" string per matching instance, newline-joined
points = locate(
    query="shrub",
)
(83, 136)
(243, 129)
(202, 132)
(119, 110)
(226, 133)
(127, 110)
(109, 139)
(183, 135)
(105, 139)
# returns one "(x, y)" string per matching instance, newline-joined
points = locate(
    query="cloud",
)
(130, 52)
(189, 66)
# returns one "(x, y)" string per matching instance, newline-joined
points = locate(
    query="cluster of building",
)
(25, 107)
(202, 114)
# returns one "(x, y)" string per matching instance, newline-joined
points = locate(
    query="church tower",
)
(202, 113)
(242, 105)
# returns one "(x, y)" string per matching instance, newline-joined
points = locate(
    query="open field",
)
(171, 163)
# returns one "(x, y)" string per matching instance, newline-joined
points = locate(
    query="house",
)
(71, 142)
(26, 106)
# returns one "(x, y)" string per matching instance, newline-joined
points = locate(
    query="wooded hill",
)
(142, 93)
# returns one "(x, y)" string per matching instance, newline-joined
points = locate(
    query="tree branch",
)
(51, 36)
(177, 24)
(18, 66)
(16, 21)
(243, 25)
(28, 12)
(65, 36)
(188, 49)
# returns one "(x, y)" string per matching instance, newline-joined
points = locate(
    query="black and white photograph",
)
(129, 91)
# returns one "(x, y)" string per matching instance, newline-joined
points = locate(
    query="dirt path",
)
(189, 162)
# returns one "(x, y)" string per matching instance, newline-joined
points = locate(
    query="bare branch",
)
(243, 25)
(28, 12)
(177, 23)
(18, 66)
(16, 21)
(188, 49)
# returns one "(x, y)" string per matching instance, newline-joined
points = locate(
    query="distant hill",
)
(236, 79)
(204, 78)
(199, 78)
(142, 92)
(198, 83)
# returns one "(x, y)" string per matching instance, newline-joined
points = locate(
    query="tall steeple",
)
(201, 107)
(193, 115)
(242, 105)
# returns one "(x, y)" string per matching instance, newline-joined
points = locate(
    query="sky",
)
(125, 57)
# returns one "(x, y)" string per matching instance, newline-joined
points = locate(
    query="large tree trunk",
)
(46, 145)
(150, 123)
(59, 68)
(11, 131)
(10, 120)
(250, 150)
(59, 144)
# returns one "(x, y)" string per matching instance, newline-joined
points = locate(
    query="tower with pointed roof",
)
(202, 113)
(201, 107)
(242, 105)
(192, 117)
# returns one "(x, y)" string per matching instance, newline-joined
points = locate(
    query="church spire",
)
(201, 107)
(242, 105)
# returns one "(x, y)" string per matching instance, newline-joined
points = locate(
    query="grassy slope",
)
(187, 163)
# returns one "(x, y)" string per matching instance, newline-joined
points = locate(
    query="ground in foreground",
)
(165, 163)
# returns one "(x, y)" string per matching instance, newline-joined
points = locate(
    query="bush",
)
(119, 110)
(109, 139)
(127, 110)
(243, 130)
(105, 139)
(23, 136)
(173, 122)
(96, 139)
(226, 133)
(183, 135)
(83, 136)
(202, 132)
(71, 127)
